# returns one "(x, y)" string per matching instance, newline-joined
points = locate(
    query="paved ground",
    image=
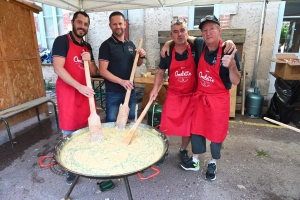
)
(259, 161)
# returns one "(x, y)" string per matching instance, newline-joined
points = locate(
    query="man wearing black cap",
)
(216, 73)
(182, 70)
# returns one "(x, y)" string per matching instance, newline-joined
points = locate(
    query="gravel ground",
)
(259, 161)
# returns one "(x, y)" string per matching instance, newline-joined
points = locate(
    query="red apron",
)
(211, 115)
(73, 107)
(177, 109)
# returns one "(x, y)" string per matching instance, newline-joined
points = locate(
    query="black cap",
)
(208, 18)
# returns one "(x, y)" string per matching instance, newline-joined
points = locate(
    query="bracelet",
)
(142, 57)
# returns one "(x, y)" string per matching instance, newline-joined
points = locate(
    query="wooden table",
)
(99, 90)
(148, 87)
(135, 80)
(147, 81)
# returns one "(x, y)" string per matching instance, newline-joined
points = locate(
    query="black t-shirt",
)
(61, 46)
(120, 56)
(166, 62)
(197, 49)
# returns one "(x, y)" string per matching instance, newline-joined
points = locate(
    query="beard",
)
(121, 33)
(74, 30)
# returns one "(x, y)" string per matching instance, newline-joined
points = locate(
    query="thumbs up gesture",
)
(228, 60)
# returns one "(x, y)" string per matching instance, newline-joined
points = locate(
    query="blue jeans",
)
(66, 132)
(113, 101)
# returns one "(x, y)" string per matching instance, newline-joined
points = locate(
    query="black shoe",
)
(184, 155)
(190, 165)
(162, 160)
(70, 178)
(211, 171)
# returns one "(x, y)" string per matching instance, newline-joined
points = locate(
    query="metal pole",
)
(71, 187)
(128, 188)
(259, 41)
(80, 4)
(160, 3)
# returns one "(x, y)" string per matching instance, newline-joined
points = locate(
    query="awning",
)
(112, 5)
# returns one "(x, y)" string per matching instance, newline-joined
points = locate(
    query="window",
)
(50, 23)
(200, 12)
(290, 30)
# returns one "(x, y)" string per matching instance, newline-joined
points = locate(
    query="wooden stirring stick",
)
(124, 109)
(127, 139)
(94, 121)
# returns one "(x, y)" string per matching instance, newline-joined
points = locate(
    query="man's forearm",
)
(109, 76)
(140, 61)
(234, 75)
(93, 68)
(191, 39)
(158, 79)
(66, 77)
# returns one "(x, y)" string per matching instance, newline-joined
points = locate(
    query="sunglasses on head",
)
(178, 21)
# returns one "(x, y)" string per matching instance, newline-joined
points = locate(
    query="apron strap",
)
(203, 97)
(180, 94)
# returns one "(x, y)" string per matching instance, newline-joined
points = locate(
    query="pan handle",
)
(157, 171)
(157, 127)
(46, 165)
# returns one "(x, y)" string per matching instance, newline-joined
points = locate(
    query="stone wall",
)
(49, 75)
(248, 16)
(267, 47)
(99, 31)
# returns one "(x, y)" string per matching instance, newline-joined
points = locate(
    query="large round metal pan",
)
(61, 143)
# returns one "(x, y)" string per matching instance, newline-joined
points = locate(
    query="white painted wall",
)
(248, 16)
(99, 31)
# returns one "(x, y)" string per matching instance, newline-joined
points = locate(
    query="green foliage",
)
(48, 85)
(262, 153)
(283, 34)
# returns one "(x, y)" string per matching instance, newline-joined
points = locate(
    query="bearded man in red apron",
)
(216, 73)
(69, 51)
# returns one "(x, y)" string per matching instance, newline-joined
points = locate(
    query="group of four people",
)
(200, 75)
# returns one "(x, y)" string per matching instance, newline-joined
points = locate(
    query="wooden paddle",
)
(127, 139)
(94, 121)
(124, 109)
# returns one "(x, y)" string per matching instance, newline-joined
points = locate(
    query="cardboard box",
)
(284, 69)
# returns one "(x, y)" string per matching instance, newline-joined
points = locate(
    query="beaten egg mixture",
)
(110, 157)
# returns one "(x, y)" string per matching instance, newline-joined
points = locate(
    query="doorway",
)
(287, 36)
(290, 29)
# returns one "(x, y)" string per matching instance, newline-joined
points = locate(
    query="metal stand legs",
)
(128, 188)
(71, 188)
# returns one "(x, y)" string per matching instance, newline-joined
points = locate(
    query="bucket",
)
(254, 104)
(154, 114)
